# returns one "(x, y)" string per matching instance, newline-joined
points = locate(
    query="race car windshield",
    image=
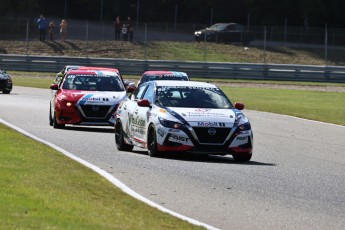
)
(192, 97)
(218, 27)
(164, 77)
(93, 83)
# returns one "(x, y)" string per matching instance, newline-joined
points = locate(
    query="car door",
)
(233, 33)
(142, 114)
(131, 124)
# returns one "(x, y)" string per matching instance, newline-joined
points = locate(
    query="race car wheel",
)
(6, 91)
(242, 157)
(56, 125)
(119, 140)
(51, 122)
(152, 142)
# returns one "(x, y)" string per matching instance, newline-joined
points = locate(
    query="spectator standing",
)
(63, 29)
(130, 29)
(42, 27)
(124, 32)
(117, 28)
(51, 28)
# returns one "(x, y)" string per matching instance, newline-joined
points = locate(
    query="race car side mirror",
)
(143, 103)
(54, 87)
(239, 106)
(131, 88)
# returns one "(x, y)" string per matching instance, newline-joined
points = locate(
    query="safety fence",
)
(26, 29)
(327, 43)
(207, 70)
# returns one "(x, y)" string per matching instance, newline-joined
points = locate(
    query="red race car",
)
(86, 97)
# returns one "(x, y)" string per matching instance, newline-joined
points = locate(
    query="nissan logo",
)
(95, 108)
(212, 131)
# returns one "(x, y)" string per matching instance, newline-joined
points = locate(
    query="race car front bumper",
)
(195, 140)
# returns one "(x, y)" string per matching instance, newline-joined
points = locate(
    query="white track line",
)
(109, 177)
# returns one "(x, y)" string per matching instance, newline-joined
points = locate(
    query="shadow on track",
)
(205, 158)
(95, 129)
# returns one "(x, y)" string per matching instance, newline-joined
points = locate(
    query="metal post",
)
(285, 29)
(145, 39)
(175, 15)
(248, 20)
(65, 8)
(326, 44)
(101, 17)
(166, 31)
(27, 36)
(265, 35)
(87, 31)
(138, 6)
(204, 47)
(103, 33)
(87, 36)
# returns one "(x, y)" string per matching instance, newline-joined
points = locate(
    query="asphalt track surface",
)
(296, 179)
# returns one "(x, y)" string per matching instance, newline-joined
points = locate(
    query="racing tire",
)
(119, 139)
(242, 157)
(152, 142)
(57, 125)
(51, 121)
(6, 91)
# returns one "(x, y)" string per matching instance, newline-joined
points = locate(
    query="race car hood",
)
(93, 97)
(206, 117)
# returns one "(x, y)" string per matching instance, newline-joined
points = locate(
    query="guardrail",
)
(208, 70)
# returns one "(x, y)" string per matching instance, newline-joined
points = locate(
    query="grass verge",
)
(314, 105)
(42, 189)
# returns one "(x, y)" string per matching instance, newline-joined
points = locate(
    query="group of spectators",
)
(121, 28)
(43, 25)
(126, 29)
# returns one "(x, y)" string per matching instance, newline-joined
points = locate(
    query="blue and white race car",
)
(183, 116)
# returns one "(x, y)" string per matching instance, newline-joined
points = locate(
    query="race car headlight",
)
(170, 124)
(65, 102)
(245, 126)
(197, 33)
(240, 128)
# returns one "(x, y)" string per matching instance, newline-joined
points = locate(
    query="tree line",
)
(253, 12)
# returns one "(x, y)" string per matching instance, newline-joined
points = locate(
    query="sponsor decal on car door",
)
(139, 123)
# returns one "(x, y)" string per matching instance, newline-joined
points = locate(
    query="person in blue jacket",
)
(42, 27)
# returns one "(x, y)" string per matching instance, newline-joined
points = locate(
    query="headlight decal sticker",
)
(238, 117)
(177, 116)
(84, 99)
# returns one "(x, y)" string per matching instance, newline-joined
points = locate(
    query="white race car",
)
(183, 116)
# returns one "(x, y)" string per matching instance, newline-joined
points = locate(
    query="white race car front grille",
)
(211, 135)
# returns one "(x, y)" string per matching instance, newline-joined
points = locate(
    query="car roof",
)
(68, 67)
(227, 23)
(92, 72)
(183, 83)
(163, 72)
(98, 68)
